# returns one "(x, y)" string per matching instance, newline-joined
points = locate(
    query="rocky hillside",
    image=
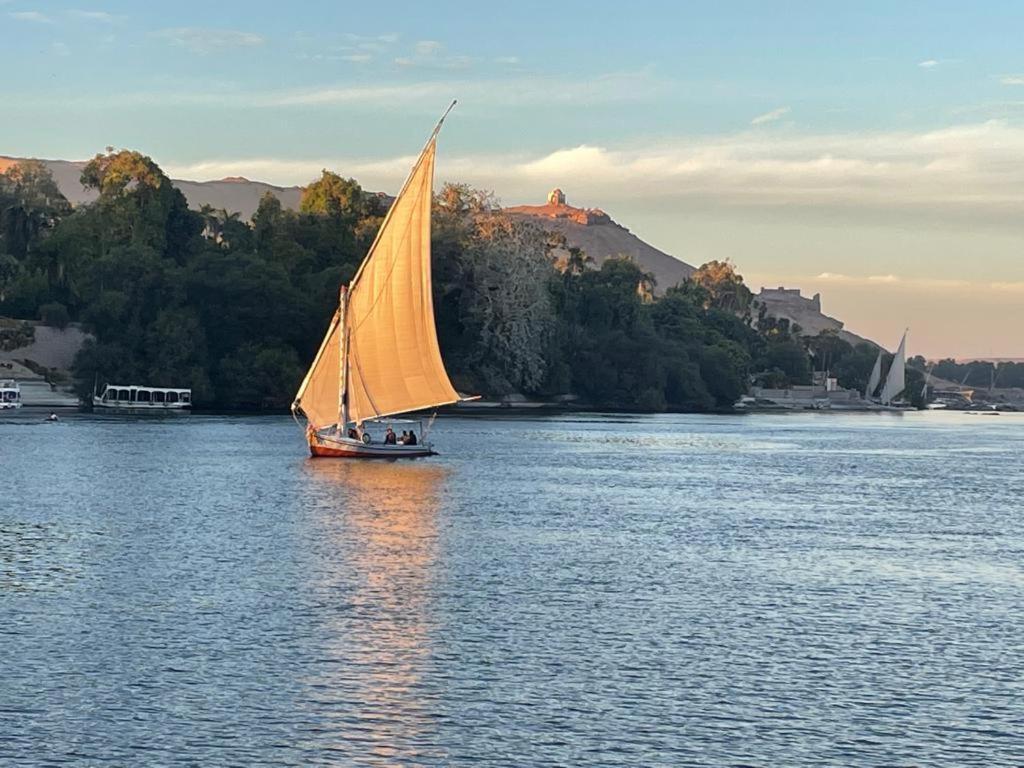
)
(788, 304)
(589, 229)
(594, 231)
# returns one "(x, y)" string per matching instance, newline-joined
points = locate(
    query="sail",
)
(895, 380)
(875, 378)
(318, 394)
(394, 362)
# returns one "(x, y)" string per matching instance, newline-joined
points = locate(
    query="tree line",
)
(236, 310)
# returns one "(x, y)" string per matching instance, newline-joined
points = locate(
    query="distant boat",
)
(380, 357)
(895, 379)
(10, 395)
(135, 398)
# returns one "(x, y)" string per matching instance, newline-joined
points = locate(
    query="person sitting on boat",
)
(404, 437)
(411, 439)
(353, 433)
(389, 437)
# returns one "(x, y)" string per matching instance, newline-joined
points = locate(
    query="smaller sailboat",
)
(876, 376)
(380, 357)
(895, 378)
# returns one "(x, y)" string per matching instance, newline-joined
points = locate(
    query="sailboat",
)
(895, 379)
(380, 357)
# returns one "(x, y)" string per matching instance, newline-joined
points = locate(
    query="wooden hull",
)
(324, 447)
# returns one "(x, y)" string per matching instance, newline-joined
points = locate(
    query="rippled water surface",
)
(635, 591)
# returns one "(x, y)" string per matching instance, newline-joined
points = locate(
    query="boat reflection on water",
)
(378, 556)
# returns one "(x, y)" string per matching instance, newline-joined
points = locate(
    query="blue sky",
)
(872, 151)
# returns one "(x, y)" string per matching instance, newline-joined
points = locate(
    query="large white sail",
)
(394, 361)
(875, 378)
(895, 380)
(382, 348)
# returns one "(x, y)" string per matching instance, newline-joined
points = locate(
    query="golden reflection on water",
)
(381, 545)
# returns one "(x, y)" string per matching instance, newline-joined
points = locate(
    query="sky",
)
(871, 151)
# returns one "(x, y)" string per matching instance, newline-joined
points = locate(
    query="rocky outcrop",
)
(599, 237)
(788, 304)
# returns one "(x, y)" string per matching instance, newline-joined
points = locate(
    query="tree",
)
(827, 349)
(30, 206)
(723, 287)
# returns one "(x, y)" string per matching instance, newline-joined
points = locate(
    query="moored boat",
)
(136, 398)
(380, 357)
(10, 395)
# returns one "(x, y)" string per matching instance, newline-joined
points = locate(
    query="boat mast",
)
(343, 360)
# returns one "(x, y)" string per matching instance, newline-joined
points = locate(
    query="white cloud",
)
(101, 16)
(910, 284)
(60, 49)
(33, 16)
(1012, 79)
(928, 64)
(505, 92)
(202, 40)
(428, 48)
(770, 117)
(969, 168)
(506, 60)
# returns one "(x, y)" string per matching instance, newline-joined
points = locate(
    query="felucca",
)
(380, 357)
(895, 379)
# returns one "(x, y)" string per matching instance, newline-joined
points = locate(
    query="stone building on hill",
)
(599, 237)
(557, 208)
(790, 305)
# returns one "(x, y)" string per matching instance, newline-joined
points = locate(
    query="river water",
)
(599, 590)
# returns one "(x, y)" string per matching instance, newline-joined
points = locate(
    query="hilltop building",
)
(557, 208)
(790, 305)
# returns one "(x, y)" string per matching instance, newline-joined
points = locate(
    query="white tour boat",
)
(10, 395)
(132, 397)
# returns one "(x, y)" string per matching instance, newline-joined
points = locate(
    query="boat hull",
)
(134, 408)
(321, 447)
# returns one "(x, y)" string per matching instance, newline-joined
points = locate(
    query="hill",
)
(232, 194)
(593, 231)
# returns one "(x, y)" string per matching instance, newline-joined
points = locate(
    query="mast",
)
(401, 193)
(343, 359)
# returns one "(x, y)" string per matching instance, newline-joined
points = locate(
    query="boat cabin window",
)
(142, 396)
(123, 394)
(186, 397)
(158, 397)
(172, 397)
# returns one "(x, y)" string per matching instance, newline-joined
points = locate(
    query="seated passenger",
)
(404, 438)
(389, 437)
(411, 439)
(353, 434)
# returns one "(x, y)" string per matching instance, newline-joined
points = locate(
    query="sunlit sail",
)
(380, 356)
(895, 380)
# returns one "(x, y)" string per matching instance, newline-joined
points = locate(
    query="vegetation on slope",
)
(236, 310)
